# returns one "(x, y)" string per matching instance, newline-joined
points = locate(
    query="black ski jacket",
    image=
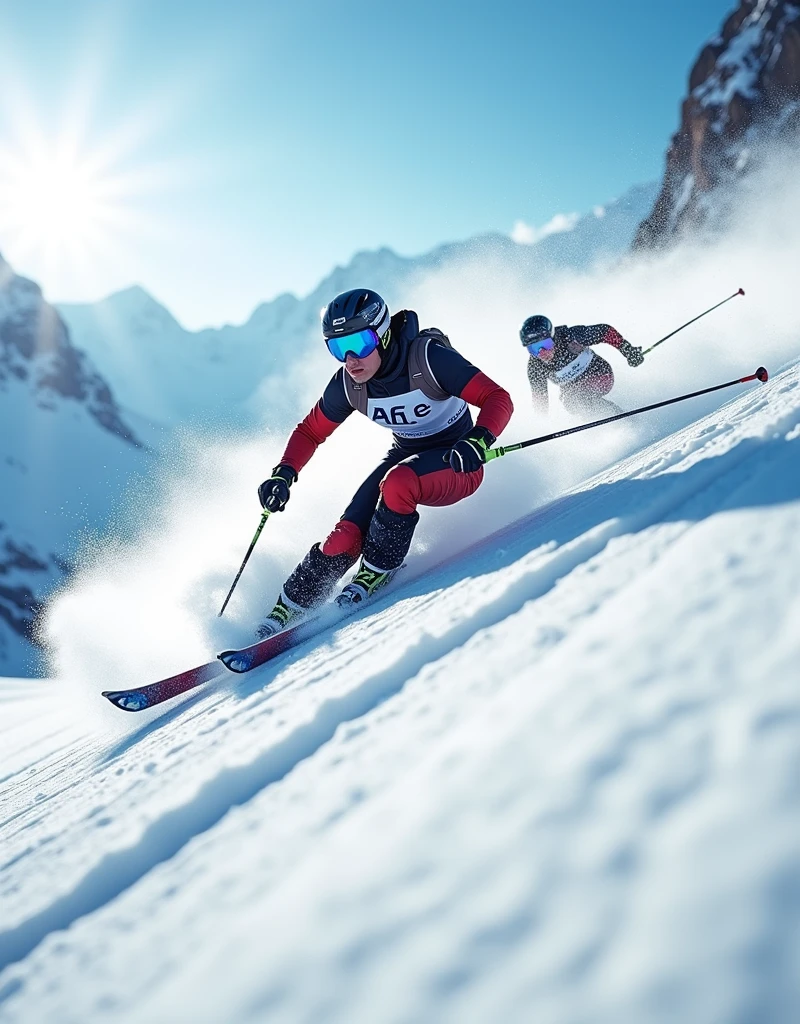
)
(573, 359)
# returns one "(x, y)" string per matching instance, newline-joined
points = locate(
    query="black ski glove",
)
(469, 454)
(274, 493)
(633, 354)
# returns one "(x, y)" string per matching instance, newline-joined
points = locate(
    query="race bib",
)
(574, 369)
(414, 414)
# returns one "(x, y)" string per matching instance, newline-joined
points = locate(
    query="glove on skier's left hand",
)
(469, 454)
(634, 355)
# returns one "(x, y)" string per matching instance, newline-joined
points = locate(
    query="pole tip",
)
(740, 292)
(762, 374)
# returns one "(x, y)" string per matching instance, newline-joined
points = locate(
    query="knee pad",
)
(344, 539)
(400, 489)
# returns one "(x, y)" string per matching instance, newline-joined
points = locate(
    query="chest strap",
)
(420, 374)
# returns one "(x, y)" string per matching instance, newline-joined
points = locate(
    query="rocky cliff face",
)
(744, 97)
(35, 347)
(65, 452)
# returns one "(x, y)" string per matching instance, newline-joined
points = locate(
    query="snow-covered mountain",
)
(35, 348)
(214, 377)
(743, 103)
(554, 780)
(66, 451)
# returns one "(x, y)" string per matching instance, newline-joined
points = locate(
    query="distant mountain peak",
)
(135, 301)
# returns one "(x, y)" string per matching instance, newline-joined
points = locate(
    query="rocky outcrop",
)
(744, 97)
(65, 453)
(35, 347)
(19, 605)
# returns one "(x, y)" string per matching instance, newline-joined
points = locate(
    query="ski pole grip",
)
(494, 453)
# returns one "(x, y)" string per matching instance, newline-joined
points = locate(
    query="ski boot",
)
(284, 613)
(366, 581)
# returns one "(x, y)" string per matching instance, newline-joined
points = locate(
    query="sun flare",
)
(56, 202)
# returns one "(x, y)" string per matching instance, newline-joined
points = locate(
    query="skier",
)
(414, 384)
(565, 356)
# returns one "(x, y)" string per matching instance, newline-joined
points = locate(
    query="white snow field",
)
(556, 779)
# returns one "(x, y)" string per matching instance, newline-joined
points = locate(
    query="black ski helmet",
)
(354, 311)
(534, 329)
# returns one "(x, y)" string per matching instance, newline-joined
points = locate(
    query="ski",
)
(265, 650)
(243, 660)
(262, 651)
(142, 697)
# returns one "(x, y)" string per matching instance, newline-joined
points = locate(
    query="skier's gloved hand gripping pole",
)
(273, 495)
(495, 453)
(671, 333)
(469, 454)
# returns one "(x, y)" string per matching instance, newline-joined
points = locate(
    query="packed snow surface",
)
(555, 779)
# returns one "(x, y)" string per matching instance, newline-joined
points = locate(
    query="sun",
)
(84, 196)
(57, 203)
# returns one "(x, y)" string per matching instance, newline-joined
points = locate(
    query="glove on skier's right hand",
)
(469, 454)
(274, 493)
(634, 355)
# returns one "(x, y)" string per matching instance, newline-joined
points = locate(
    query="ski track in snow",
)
(195, 840)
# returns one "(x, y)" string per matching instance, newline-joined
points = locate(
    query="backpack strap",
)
(356, 394)
(419, 369)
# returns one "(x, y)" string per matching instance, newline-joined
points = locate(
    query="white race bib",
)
(574, 369)
(414, 414)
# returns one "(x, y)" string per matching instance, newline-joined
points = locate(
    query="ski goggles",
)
(360, 345)
(543, 344)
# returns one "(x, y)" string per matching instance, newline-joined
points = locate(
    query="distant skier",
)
(414, 384)
(564, 356)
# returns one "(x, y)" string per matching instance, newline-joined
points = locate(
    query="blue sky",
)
(224, 152)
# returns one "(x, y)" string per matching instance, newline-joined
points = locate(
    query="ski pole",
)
(711, 310)
(495, 453)
(264, 517)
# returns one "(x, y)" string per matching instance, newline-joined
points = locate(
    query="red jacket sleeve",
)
(306, 437)
(494, 402)
(611, 336)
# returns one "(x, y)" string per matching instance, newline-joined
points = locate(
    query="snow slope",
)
(555, 779)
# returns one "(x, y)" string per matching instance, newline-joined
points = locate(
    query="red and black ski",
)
(265, 650)
(143, 697)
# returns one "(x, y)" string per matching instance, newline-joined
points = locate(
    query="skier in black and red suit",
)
(564, 356)
(413, 383)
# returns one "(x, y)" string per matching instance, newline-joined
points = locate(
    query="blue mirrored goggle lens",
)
(360, 344)
(535, 347)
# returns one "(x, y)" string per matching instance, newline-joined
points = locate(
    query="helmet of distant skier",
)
(354, 311)
(534, 329)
